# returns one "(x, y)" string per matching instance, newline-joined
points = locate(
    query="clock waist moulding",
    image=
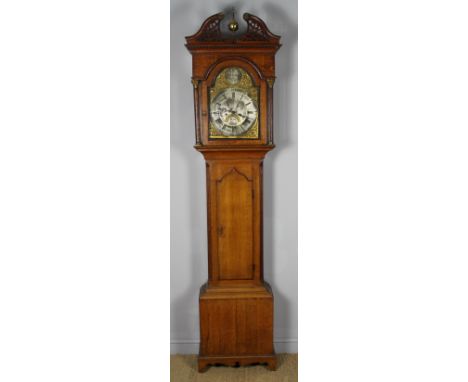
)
(233, 78)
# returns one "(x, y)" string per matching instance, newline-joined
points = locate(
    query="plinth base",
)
(236, 326)
(204, 362)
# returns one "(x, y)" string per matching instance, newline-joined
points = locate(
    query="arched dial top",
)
(233, 105)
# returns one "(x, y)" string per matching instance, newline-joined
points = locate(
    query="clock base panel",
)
(236, 326)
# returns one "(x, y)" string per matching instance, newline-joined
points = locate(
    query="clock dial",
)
(233, 106)
(233, 112)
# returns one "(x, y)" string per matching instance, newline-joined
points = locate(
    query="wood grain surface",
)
(236, 305)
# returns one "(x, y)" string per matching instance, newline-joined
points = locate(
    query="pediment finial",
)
(210, 31)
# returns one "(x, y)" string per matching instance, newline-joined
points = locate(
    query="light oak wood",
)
(236, 304)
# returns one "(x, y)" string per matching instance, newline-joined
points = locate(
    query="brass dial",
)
(233, 107)
(233, 112)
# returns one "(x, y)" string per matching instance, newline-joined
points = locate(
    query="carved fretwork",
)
(257, 29)
(210, 31)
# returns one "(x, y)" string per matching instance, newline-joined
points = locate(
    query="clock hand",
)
(238, 114)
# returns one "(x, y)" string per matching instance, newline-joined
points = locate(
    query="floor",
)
(184, 368)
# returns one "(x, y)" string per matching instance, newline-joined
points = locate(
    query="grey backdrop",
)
(188, 197)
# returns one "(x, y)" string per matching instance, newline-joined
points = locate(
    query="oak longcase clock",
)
(233, 76)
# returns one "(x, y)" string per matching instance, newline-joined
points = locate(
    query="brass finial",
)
(233, 24)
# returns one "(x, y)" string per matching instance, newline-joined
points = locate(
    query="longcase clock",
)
(233, 76)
